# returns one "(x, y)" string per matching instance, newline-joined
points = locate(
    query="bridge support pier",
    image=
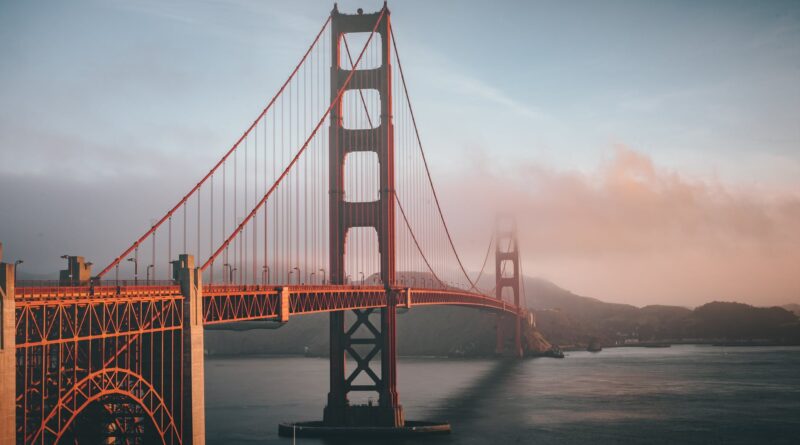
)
(388, 412)
(8, 377)
(194, 404)
(362, 340)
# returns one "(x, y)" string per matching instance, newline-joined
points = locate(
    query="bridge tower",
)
(378, 215)
(507, 275)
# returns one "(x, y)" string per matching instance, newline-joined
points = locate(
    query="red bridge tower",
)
(507, 275)
(379, 215)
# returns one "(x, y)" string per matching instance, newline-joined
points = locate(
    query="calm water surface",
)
(682, 394)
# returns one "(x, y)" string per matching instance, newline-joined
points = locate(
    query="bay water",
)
(682, 394)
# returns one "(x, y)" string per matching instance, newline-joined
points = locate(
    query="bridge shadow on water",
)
(473, 407)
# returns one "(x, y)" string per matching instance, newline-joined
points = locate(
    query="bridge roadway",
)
(147, 308)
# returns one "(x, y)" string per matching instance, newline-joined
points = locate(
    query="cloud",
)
(631, 231)
(38, 153)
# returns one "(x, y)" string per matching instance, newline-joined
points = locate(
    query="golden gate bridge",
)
(324, 204)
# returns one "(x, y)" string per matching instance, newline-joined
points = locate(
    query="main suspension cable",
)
(291, 164)
(425, 163)
(221, 161)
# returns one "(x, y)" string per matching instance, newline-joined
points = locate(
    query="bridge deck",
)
(226, 303)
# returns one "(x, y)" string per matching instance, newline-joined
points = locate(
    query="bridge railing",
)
(27, 291)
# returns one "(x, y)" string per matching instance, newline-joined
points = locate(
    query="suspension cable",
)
(485, 260)
(425, 163)
(291, 164)
(221, 161)
(414, 237)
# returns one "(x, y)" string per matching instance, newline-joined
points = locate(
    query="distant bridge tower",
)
(379, 215)
(507, 275)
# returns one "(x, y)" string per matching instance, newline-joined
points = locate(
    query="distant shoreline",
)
(565, 349)
(661, 344)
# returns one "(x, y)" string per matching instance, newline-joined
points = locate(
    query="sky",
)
(651, 150)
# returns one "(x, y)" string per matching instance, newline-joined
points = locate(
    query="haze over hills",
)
(569, 319)
(792, 307)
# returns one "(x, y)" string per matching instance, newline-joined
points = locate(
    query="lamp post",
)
(135, 269)
(223, 273)
(323, 275)
(232, 270)
(265, 275)
(151, 266)
(347, 279)
(16, 266)
(362, 278)
(311, 277)
(298, 274)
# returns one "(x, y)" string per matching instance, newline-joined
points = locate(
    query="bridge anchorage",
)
(90, 358)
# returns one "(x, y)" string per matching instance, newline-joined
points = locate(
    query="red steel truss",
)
(78, 345)
(225, 303)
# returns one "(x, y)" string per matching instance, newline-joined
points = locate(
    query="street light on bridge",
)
(151, 266)
(231, 269)
(16, 266)
(265, 275)
(135, 269)
(323, 275)
(289, 276)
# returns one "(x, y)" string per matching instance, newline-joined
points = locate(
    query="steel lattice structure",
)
(78, 345)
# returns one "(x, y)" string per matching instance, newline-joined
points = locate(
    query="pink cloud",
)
(633, 232)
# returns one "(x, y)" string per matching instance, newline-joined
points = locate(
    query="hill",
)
(793, 308)
(571, 320)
